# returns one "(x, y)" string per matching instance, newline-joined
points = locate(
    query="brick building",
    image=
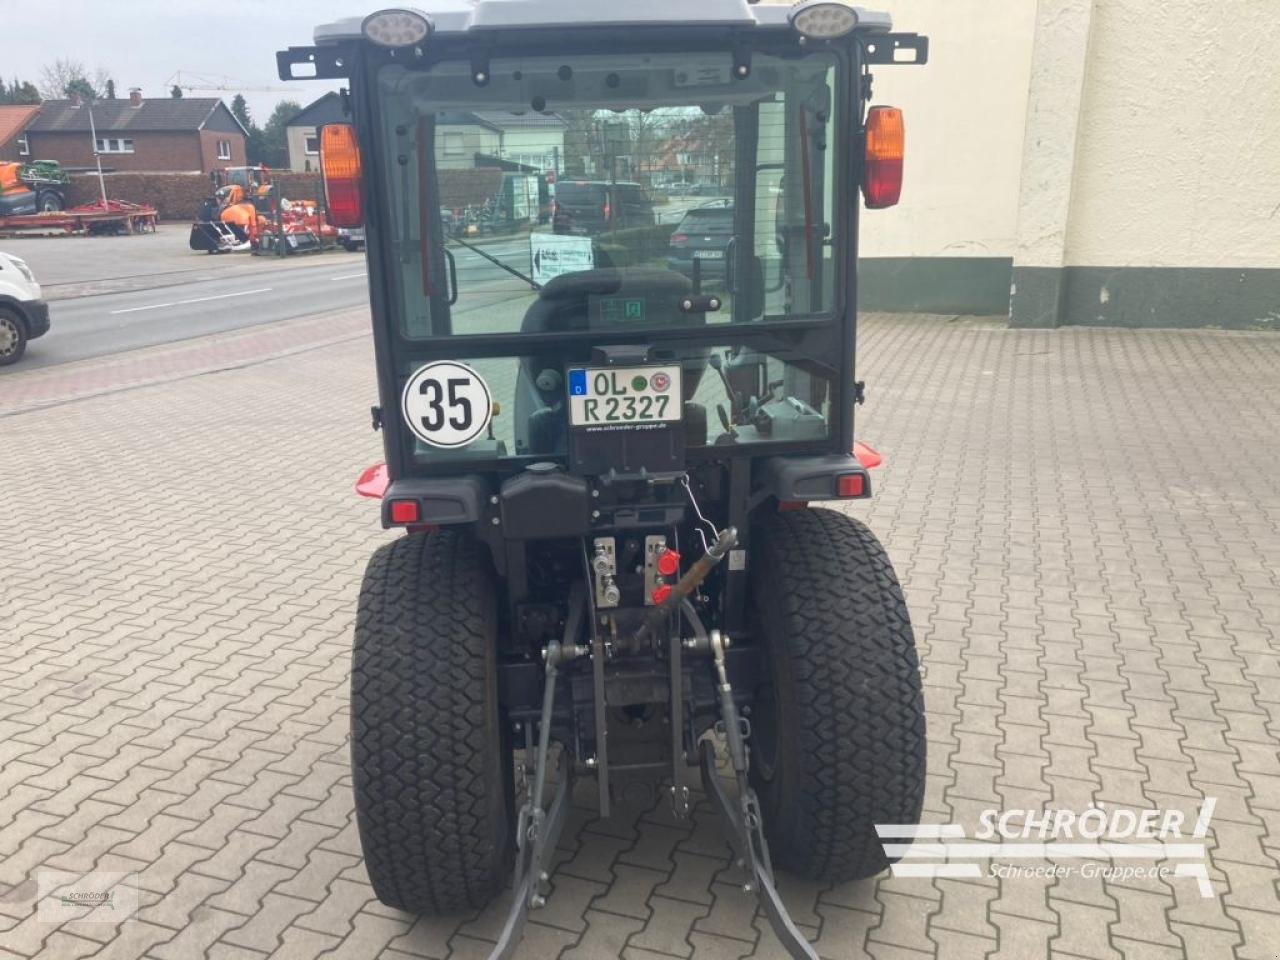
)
(14, 121)
(189, 135)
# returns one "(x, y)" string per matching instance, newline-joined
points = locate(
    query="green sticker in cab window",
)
(621, 310)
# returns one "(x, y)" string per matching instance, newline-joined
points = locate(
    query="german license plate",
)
(709, 254)
(624, 396)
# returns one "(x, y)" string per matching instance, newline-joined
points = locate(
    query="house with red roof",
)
(14, 121)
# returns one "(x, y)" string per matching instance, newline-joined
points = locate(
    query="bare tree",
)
(65, 76)
(56, 77)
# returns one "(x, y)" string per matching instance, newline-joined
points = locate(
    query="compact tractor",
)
(623, 555)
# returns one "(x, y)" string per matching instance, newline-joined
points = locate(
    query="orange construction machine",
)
(247, 212)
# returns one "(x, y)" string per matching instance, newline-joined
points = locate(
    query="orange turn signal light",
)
(886, 149)
(340, 169)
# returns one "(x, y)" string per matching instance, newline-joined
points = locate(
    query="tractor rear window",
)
(564, 183)
(576, 192)
(782, 398)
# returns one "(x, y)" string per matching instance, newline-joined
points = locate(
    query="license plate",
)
(709, 254)
(624, 396)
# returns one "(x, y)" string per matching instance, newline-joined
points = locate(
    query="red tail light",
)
(404, 511)
(886, 148)
(679, 240)
(340, 168)
(851, 485)
(608, 210)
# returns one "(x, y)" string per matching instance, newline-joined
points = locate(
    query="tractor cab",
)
(606, 412)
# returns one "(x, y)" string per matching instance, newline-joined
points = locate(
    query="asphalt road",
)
(95, 325)
(111, 295)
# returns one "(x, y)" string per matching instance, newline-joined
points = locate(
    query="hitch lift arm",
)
(746, 826)
(537, 830)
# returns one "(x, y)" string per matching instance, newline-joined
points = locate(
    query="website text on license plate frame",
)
(625, 396)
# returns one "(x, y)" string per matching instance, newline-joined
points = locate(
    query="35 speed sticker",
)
(446, 404)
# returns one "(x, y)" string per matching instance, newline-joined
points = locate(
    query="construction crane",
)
(187, 80)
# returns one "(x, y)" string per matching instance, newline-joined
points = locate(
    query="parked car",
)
(703, 234)
(23, 313)
(351, 238)
(592, 207)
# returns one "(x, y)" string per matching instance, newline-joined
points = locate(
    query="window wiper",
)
(498, 263)
(423, 192)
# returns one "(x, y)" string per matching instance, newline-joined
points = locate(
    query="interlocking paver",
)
(1096, 622)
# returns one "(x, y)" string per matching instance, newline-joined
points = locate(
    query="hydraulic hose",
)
(690, 582)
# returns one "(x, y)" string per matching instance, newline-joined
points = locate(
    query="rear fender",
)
(441, 500)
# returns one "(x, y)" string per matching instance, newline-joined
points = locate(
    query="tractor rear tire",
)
(430, 752)
(838, 734)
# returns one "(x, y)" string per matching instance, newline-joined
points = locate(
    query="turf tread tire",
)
(432, 769)
(850, 723)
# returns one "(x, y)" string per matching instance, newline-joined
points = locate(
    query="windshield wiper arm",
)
(498, 263)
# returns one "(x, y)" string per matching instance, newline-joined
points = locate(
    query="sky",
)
(143, 43)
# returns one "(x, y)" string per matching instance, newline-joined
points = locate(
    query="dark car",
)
(591, 207)
(702, 235)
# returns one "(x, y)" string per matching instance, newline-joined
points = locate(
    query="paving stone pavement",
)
(1087, 524)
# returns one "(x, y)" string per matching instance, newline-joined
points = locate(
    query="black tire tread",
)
(426, 749)
(824, 584)
(21, 326)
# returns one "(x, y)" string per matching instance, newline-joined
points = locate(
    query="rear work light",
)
(823, 19)
(396, 27)
(886, 147)
(340, 169)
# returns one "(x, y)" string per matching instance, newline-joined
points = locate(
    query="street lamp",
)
(93, 133)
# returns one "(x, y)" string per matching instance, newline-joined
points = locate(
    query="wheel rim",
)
(8, 337)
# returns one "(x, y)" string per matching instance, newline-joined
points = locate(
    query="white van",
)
(23, 313)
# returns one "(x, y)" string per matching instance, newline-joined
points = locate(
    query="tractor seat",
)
(565, 302)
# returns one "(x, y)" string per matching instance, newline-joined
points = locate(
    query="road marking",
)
(154, 306)
(224, 296)
(348, 276)
(175, 303)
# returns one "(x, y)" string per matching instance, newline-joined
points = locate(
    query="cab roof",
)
(463, 16)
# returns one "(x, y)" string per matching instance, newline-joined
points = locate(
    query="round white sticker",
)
(446, 404)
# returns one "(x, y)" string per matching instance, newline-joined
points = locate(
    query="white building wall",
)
(529, 145)
(1179, 147)
(299, 159)
(964, 112)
